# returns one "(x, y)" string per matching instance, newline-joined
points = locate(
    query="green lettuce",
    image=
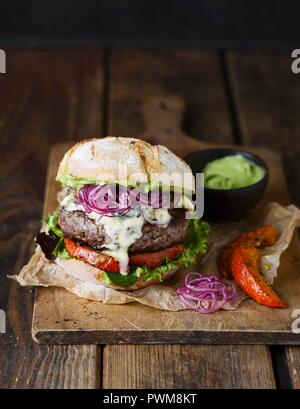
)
(119, 279)
(194, 245)
(51, 224)
(52, 227)
(76, 183)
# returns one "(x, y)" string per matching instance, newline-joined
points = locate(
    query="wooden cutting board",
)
(62, 318)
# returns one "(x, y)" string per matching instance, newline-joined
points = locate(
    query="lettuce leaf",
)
(60, 250)
(195, 244)
(52, 227)
(119, 279)
(76, 183)
(51, 224)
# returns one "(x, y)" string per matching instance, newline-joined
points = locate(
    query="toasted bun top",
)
(126, 160)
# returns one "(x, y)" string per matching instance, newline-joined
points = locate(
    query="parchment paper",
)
(80, 278)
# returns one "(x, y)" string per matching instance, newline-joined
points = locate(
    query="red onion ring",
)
(110, 199)
(205, 293)
(104, 199)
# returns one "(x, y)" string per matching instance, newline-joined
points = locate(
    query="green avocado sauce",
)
(232, 172)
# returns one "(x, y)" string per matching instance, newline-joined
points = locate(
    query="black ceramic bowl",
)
(228, 205)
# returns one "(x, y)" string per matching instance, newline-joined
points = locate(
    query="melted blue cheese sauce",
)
(122, 231)
(161, 217)
(70, 203)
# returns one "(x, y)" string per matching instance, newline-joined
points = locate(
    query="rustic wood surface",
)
(293, 360)
(195, 76)
(46, 97)
(266, 95)
(62, 366)
(57, 95)
(169, 366)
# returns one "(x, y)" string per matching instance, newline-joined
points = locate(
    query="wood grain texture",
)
(293, 360)
(47, 96)
(60, 366)
(187, 366)
(267, 98)
(195, 76)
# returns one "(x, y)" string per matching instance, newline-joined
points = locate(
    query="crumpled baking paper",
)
(80, 278)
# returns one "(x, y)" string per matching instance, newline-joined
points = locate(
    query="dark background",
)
(236, 24)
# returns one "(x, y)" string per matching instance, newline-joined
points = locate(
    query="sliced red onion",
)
(155, 198)
(104, 199)
(110, 199)
(205, 293)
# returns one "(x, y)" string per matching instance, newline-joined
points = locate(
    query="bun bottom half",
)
(80, 279)
(84, 272)
(140, 283)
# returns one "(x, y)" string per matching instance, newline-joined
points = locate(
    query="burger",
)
(125, 208)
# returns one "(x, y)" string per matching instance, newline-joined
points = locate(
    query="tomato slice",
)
(94, 257)
(156, 258)
(107, 263)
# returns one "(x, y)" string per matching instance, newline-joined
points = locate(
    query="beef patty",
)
(78, 225)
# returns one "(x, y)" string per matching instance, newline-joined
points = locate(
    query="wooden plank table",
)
(51, 96)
